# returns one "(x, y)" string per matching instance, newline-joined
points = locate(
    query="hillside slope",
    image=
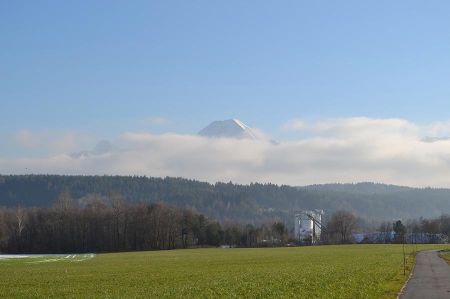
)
(253, 203)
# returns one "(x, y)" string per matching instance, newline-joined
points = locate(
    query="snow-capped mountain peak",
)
(231, 128)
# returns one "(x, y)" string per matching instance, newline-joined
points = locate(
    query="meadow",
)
(346, 271)
(446, 256)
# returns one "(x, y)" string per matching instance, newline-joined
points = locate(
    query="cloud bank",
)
(392, 151)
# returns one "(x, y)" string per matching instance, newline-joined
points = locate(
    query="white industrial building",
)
(308, 226)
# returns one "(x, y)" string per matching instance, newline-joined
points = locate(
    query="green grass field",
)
(350, 271)
(446, 256)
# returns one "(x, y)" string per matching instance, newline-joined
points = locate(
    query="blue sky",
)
(102, 65)
(105, 67)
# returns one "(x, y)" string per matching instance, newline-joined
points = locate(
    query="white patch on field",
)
(24, 256)
(49, 258)
(84, 257)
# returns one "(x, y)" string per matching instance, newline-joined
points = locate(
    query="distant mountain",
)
(231, 128)
(102, 147)
(254, 203)
(430, 139)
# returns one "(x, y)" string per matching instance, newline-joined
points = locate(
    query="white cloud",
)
(294, 125)
(26, 139)
(366, 127)
(438, 129)
(339, 150)
(51, 141)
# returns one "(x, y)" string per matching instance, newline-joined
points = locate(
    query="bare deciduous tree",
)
(20, 217)
(342, 226)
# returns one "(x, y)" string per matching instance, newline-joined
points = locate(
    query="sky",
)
(351, 90)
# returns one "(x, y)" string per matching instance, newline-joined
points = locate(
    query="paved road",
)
(431, 278)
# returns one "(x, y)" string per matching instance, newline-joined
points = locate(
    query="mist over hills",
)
(254, 203)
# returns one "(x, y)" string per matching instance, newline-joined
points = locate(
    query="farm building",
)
(308, 226)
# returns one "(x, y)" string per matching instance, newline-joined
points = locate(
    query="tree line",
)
(420, 230)
(108, 224)
(343, 228)
(114, 224)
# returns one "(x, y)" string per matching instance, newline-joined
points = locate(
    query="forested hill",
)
(254, 203)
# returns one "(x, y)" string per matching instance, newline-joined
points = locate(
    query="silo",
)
(308, 225)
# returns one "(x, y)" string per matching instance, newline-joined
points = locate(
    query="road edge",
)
(409, 278)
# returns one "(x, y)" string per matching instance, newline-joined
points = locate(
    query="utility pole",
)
(404, 257)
